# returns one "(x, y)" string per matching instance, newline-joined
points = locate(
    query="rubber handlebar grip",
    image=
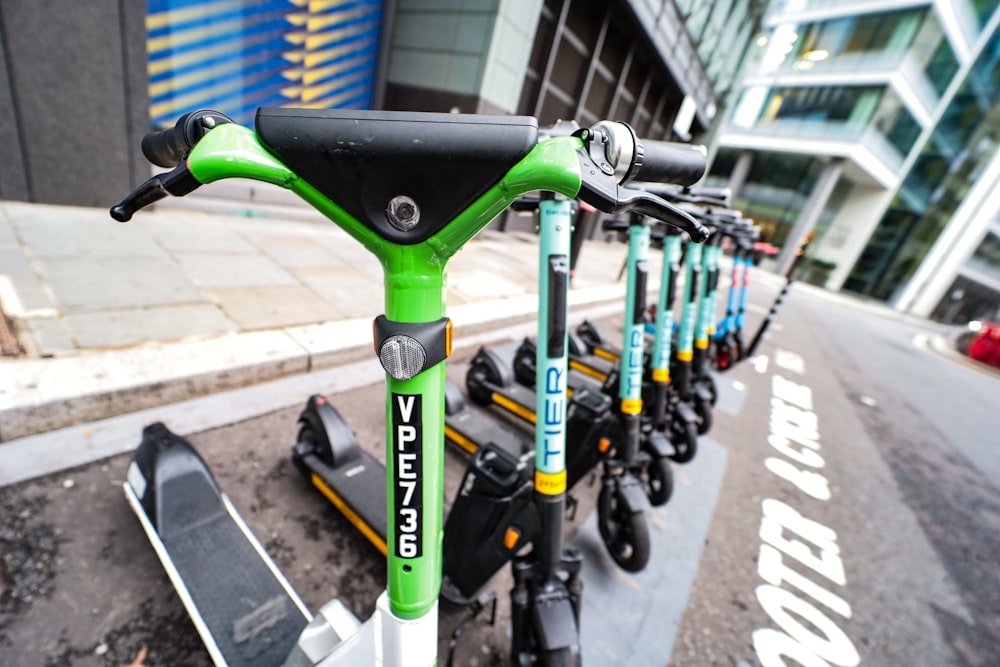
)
(166, 148)
(669, 162)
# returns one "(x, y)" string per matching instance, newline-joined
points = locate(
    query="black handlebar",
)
(167, 148)
(611, 157)
(668, 162)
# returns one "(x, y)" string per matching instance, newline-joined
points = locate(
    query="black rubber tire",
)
(564, 657)
(708, 383)
(723, 356)
(684, 435)
(659, 481)
(704, 410)
(320, 447)
(524, 365)
(484, 366)
(625, 534)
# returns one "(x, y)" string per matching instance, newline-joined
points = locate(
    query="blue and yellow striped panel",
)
(237, 55)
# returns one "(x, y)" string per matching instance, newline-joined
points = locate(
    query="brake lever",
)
(177, 182)
(655, 207)
(603, 192)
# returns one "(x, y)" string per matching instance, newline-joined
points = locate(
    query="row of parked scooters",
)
(631, 414)
(627, 413)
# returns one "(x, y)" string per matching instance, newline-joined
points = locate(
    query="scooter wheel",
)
(708, 383)
(485, 369)
(625, 533)
(704, 410)
(723, 356)
(659, 481)
(563, 657)
(319, 445)
(684, 435)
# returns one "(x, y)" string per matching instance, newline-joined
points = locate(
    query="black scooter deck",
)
(470, 430)
(245, 611)
(358, 492)
(329, 456)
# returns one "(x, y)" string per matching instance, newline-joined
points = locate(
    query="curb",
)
(944, 346)
(41, 395)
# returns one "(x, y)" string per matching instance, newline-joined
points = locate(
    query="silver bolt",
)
(403, 213)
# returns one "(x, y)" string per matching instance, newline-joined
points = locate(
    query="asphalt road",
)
(890, 503)
(858, 520)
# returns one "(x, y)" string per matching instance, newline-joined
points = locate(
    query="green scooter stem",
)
(414, 292)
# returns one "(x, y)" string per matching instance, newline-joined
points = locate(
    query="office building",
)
(875, 124)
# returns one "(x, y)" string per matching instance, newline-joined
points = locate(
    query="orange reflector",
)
(685, 355)
(447, 339)
(661, 375)
(603, 445)
(510, 538)
(701, 343)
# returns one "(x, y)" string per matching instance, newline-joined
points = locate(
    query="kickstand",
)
(485, 600)
(571, 504)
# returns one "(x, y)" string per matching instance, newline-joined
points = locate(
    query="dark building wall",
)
(73, 100)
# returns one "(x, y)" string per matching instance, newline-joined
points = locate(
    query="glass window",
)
(776, 191)
(895, 123)
(725, 160)
(822, 103)
(962, 144)
(984, 10)
(942, 66)
(839, 42)
(238, 55)
(967, 300)
(986, 258)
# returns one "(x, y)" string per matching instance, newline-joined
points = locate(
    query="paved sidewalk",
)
(179, 303)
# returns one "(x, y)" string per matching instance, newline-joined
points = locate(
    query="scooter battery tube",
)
(492, 518)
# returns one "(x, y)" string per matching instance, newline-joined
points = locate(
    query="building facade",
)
(873, 124)
(112, 70)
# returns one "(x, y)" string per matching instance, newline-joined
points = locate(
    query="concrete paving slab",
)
(196, 234)
(28, 291)
(118, 328)
(68, 231)
(214, 270)
(38, 395)
(352, 254)
(272, 307)
(482, 285)
(50, 336)
(352, 291)
(7, 236)
(88, 283)
(296, 252)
